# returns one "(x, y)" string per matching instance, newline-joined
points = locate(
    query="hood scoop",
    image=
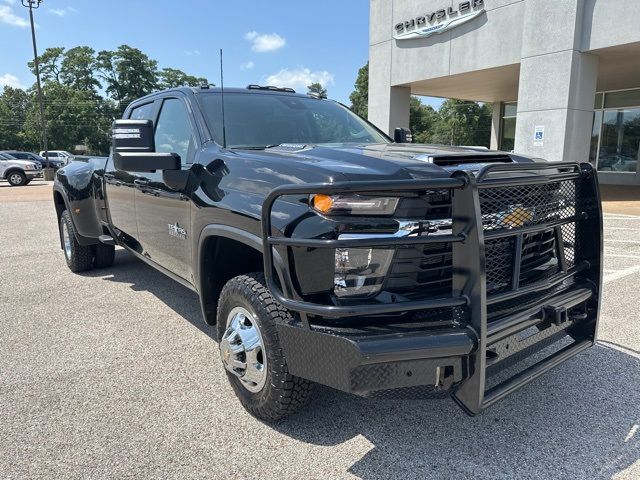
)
(291, 147)
(464, 159)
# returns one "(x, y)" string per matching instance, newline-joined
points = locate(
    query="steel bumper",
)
(441, 359)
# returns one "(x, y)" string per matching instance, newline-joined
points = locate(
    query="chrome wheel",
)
(15, 179)
(66, 240)
(242, 350)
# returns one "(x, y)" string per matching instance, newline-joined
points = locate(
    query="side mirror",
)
(402, 135)
(134, 148)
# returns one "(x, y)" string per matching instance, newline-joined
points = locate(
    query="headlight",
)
(353, 204)
(360, 271)
(29, 166)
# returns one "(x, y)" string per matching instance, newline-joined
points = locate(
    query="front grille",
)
(527, 205)
(425, 271)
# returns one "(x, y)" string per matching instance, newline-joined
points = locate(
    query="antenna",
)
(224, 130)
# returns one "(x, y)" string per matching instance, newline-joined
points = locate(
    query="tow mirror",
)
(402, 135)
(134, 149)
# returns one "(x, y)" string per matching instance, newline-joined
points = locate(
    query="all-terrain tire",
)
(16, 178)
(282, 394)
(104, 255)
(79, 257)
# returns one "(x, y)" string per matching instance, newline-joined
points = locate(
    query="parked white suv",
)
(18, 172)
(61, 155)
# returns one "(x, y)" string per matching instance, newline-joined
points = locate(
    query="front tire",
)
(251, 352)
(17, 179)
(79, 257)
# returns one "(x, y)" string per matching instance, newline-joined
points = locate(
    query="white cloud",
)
(7, 16)
(61, 12)
(299, 78)
(247, 65)
(192, 52)
(10, 2)
(8, 80)
(266, 42)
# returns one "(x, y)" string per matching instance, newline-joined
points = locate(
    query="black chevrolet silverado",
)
(325, 252)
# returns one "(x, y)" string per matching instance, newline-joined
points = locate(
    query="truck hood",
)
(389, 161)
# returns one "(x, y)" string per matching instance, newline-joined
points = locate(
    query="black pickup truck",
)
(328, 253)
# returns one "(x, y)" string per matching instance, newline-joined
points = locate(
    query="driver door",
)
(164, 215)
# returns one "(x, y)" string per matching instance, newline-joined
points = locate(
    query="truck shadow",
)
(580, 421)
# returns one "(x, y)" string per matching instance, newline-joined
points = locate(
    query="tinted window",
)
(173, 130)
(259, 120)
(143, 112)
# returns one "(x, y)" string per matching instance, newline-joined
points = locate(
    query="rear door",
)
(120, 186)
(163, 214)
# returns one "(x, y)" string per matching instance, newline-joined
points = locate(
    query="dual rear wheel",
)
(80, 258)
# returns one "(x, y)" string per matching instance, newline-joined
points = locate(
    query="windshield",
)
(260, 121)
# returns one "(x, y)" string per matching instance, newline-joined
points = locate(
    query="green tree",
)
(317, 89)
(360, 96)
(462, 122)
(14, 104)
(50, 63)
(79, 69)
(173, 77)
(129, 74)
(422, 119)
(73, 117)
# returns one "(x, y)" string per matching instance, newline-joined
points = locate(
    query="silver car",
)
(18, 172)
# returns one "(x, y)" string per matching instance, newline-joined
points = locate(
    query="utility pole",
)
(31, 4)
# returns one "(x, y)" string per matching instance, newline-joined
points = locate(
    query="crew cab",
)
(18, 172)
(326, 252)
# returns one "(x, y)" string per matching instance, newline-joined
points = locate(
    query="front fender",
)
(242, 236)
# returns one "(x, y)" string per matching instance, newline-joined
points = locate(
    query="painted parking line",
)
(621, 274)
(611, 240)
(622, 255)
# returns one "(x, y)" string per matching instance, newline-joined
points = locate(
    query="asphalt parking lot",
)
(112, 374)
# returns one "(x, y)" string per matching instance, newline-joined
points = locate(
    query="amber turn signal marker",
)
(322, 203)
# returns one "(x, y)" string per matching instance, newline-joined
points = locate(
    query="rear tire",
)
(78, 257)
(104, 255)
(247, 314)
(17, 178)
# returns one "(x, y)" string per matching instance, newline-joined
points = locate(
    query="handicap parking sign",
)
(538, 136)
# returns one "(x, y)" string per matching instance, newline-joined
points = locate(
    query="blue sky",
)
(282, 42)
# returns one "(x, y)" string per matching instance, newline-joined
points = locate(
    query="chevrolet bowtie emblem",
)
(517, 217)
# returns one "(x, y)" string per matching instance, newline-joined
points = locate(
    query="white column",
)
(557, 83)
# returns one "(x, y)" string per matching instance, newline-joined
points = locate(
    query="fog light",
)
(360, 271)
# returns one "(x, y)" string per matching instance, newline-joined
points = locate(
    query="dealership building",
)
(563, 75)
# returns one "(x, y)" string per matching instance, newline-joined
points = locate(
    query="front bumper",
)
(369, 363)
(31, 174)
(489, 333)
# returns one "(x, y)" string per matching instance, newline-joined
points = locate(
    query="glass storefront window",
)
(625, 98)
(508, 140)
(620, 142)
(599, 100)
(595, 137)
(508, 126)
